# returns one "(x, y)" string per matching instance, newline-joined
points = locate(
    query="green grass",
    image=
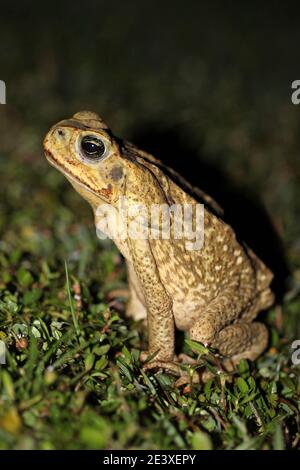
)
(73, 377)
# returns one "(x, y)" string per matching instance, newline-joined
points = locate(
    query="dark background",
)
(206, 86)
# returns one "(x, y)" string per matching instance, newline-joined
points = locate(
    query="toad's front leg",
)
(158, 303)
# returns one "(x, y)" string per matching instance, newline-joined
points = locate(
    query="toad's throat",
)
(101, 192)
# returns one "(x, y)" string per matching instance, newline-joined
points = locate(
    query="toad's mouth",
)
(103, 193)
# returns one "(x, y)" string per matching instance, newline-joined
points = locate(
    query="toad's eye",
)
(92, 147)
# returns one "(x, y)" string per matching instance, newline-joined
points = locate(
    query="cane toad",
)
(213, 292)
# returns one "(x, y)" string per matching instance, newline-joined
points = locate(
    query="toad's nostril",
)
(60, 132)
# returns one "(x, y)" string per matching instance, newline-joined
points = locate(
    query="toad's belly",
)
(188, 311)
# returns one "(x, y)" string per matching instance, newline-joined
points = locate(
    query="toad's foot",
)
(185, 377)
(172, 367)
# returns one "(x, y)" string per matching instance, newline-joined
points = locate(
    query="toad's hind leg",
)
(263, 300)
(222, 311)
(241, 340)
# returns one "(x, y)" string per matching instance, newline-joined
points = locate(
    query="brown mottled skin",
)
(213, 293)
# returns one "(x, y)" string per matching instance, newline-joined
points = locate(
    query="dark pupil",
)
(92, 147)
